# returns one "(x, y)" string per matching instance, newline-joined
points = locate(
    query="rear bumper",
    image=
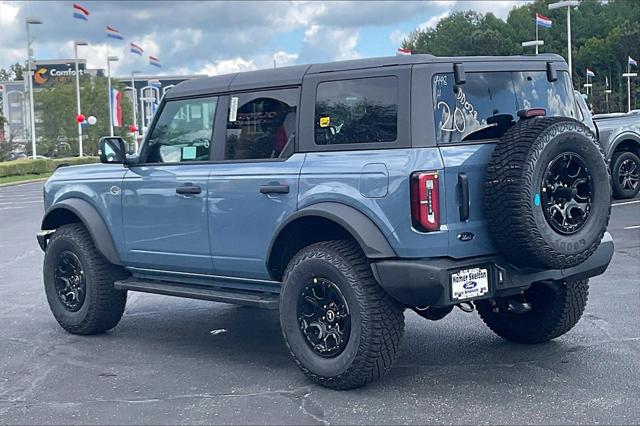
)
(425, 282)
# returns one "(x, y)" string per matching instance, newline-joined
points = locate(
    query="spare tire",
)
(548, 193)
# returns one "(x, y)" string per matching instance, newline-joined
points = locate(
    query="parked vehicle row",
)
(619, 135)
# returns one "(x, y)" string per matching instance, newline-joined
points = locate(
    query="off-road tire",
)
(515, 214)
(377, 320)
(103, 305)
(556, 308)
(616, 162)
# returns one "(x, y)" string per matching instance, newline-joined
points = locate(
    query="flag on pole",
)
(590, 73)
(113, 33)
(543, 21)
(80, 12)
(135, 49)
(155, 61)
(402, 51)
(632, 61)
(116, 108)
(606, 81)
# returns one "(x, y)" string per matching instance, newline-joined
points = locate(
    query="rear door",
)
(254, 185)
(469, 119)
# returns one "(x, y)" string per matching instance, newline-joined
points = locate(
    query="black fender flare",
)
(366, 233)
(91, 219)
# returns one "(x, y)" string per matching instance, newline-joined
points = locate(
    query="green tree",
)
(56, 107)
(14, 72)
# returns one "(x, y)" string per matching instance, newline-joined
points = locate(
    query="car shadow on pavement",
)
(232, 337)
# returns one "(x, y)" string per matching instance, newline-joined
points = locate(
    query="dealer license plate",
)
(469, 283)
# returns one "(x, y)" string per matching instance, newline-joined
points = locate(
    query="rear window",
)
(357, 111)
(487, 104)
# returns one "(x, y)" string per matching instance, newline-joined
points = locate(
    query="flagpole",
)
(109, 60)
(536, 34)
(109, 92)
(77, 43)
(628, 86)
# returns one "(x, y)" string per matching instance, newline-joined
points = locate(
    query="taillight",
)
(425, 208)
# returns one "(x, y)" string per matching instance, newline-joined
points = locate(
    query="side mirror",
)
(112, 149)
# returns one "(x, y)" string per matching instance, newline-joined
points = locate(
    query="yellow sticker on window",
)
(324, 121)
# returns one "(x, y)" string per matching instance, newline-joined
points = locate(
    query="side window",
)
(261, 125)
(533, 90)
(183, 131)
(357, 111)
(482, 108)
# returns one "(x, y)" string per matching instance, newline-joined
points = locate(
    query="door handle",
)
(188, 189)
(274, 189)
(463, 183)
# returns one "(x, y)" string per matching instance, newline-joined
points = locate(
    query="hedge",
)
(40, 166)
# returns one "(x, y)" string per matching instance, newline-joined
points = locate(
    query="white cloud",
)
(330, 43)
(433, 21)
(219, 36)
(397, 37)
(228, 66)
(283, 59)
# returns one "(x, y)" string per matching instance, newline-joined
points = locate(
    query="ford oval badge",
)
(465, 236)
(469, 285)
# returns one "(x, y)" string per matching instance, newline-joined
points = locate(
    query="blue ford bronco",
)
(343, 194)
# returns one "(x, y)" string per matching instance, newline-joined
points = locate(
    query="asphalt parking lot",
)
(184, 361)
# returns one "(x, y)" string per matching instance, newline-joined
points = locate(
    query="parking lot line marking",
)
(626, 202)
(632, 227)
(20, 202)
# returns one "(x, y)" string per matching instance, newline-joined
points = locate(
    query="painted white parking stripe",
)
(625, 203)
(632, 227)
(17, 203)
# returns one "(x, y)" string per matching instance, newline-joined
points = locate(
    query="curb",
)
(23, 182)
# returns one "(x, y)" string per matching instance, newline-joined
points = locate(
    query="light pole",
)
(134, 105)
(568, 4)
(535, 43)
(109, 60)
(629, 74)
(77, 43)
(31, 21)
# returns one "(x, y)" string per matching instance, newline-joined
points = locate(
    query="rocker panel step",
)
(247, 298)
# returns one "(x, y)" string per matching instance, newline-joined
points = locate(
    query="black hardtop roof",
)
(292, 76)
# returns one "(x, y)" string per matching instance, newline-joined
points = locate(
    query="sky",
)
(211, 38)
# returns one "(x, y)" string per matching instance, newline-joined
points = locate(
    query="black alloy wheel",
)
(70, 281)
(324, 318)
(629, 175)
(566, 193)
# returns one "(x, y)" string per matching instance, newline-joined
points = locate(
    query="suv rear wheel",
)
(341, 328)
(78, 283)
(555, 308)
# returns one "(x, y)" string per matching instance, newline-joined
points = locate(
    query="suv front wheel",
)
(78, 283)
(341, 328)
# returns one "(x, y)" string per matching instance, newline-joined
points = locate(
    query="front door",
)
(165, 197)
(255, 186)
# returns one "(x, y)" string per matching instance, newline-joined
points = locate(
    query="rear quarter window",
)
(486, 105)
(356, 111)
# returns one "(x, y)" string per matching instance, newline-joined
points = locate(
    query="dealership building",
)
(14, 95)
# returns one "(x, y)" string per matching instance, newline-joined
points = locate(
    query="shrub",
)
(40, 166)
